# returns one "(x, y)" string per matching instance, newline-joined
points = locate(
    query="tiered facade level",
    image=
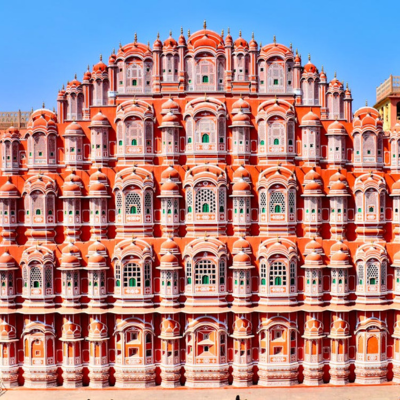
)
(204, 212)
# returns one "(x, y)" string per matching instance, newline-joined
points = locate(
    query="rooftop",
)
(388, 87)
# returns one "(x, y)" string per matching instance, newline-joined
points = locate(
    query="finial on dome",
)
(88, 67)
(181, 30)
(276, 99)
(148, 44)
(291, 46)
(43, 106)
(252, 35)
(274, 39)
(75, 76)
(64, 86)
(229, 31)
(366, 103)
(205, 96)
(347, 85)
(297, 52)
(260, 45)
(113, 51)
(101, 57)
(240, 33)
(135, 37)
(335, 74)
(222, 33)
(188, 33)
(120, 45)
(322, 68)
(205, 24)
(158, 35)
(54, 110)
(309, 57)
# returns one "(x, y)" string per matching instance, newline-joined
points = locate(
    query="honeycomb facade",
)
(201, 212)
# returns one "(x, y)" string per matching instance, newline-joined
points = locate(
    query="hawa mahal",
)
(201, 212)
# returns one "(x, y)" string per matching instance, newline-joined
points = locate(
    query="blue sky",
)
(44, 43)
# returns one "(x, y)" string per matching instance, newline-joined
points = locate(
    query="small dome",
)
(8, 189)
(313, 246)
(240, 43)
(310, 68)
(240, 105)
(170, 43)
(241, 257)
(241, 118)
(169, 246)
(73, 178)
(312, 175)
(169, 186)
(336, 126)
(310, 119)
(313, 186)
(100, 66)
(339, 246)
(314, 257)
(241, 186)
(99, 120)
(169, 105)
(96, 260)
(339, 257)
(170, 117)
(97, 247)
(241, 172)
(169, 258)
(170, 173)
(7, 260)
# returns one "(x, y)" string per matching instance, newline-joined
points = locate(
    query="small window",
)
(134, 142)
(205, 138)
(276, 141)
(134, 82)
(205, 79)
(276, 82)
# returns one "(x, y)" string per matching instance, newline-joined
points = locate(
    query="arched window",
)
(205, 197)
(36, 277)
(372, 273)
(134, 142)
(132, 275)
(132, 203)
(205, 272)
(263, 273)
(205, 138)
(277, 202)
(277, 274)
(206, 208)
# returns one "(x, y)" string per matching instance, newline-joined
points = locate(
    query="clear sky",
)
(43, 43)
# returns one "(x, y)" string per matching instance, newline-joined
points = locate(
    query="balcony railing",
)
(390, 86)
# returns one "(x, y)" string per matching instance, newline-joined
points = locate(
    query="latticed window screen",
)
(147, 273)
(205, 272)
(263, 201)
(132, 200)
(292, 273)
(277, 274)
(118, 272)
(76, 278)
(275, 78)
(189, 130)
(222, 271)
(372, 273)
(221, 129)
(118, 202)
(132, 275)
(277, 203)
(3, 278)
(148, 132)
(359, 202)
(205, 126)
(369, 144)
(189, 272)
(49, 277)
(261, 133)
(148, 202)
(276, 134)
(134, 133)
(292, 201)
(205, 197)
(360, 270)
(222, 199)
(383, 273)
(189, 197)
(36, 277)
(371, 200)
(263, 272)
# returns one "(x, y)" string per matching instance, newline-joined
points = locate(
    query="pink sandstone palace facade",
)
(202, 212)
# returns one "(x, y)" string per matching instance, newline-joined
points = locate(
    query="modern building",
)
(388, 102)
(202, 212)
